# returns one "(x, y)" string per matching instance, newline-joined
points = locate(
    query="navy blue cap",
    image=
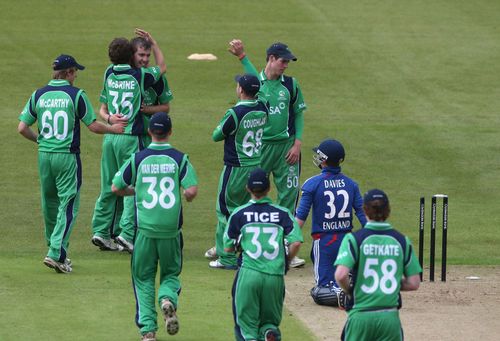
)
(281, 50)
(160, 123)
(64, 62)
(331, 150)
(376, 194)
(258, 180)
(249, 83)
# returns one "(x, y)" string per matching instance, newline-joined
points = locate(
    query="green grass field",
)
(410, 88)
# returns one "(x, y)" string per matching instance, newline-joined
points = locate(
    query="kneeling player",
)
(332, 196)
(259, 228)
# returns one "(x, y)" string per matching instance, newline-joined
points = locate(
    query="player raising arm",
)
(59, 107)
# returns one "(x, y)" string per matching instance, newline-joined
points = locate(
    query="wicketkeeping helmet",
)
(331, 150)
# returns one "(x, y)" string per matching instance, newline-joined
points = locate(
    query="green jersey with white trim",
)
(242, 128)
(123, 92)
(58, 107)
(259, 228)
(159, 93)
(379, 257)
(157, 173)
(285, 104)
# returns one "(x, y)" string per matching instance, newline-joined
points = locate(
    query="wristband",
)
(241, 56)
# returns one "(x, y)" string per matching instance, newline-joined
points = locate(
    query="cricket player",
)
(333, 196)
(382, 263)
(282, 138)
(156, 99)
(59, 107)
(241, 129)
(155, 176)
(122, 96)
(259, 229)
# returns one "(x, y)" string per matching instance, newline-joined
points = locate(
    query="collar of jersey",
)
(59, 82)
(121, 67)
(264, 200)
(377, 225)
(263, 77)
(247, 101)
(334, 170)
(159, 145)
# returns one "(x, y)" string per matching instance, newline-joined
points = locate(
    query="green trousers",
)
(285, 176)
(60, 181)
(257, 303)
(231, 194)
(109, 208)
(148, 253)
(383, 325)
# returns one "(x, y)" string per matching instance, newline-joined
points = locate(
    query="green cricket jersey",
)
(379, 257)
(259, 228)
(157, 173)
(242, 128)
(58, 107)
(286, 105)
(124, 90)
(159, 93)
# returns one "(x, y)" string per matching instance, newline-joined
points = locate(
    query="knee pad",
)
(325, 296)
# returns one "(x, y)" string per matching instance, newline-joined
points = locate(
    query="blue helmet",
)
(331, 150)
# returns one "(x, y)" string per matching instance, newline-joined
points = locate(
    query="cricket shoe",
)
(62, 268)
(127, 246)
(211, 253)
(297, 262)
(106, 244)
(272, 335)
(171, 321)
(151, 336)
(216, 264)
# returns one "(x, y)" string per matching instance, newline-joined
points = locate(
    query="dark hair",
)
(377, 210)
(158, 135)
(259, 192)
(120, 51)
(332, 163)
(140, 42)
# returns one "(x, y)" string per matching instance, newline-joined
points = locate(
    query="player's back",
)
(243, 148)
(56, 108)
(160, 169)
(381, 256)
(334, 196)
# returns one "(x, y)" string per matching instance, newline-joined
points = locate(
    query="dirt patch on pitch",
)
(460, 309)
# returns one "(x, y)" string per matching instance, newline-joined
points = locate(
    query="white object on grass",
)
(202, 56)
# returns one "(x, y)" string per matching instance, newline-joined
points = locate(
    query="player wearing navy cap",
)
(155, 176)
(258, 229)
(282, 138)
(241, 129)
(58, 108)
(373, 266)
(332, 196)
(121, 97)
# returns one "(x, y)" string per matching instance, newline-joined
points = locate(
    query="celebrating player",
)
(157, 173)
(332, 196)
(382, 263)
(121, 96)
(241, 128)
(58, 108)
(156, 99)
(258, 229)
(283, 135)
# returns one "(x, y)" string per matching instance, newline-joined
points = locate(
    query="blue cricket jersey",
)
(333, 197)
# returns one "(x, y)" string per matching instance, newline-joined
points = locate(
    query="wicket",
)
(444, 244)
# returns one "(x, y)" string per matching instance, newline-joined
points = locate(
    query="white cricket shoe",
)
(106, 244)
(297, 262)
(127, 246)
(61, 268)
(211, 253)
(216, 264)
(171, 321)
